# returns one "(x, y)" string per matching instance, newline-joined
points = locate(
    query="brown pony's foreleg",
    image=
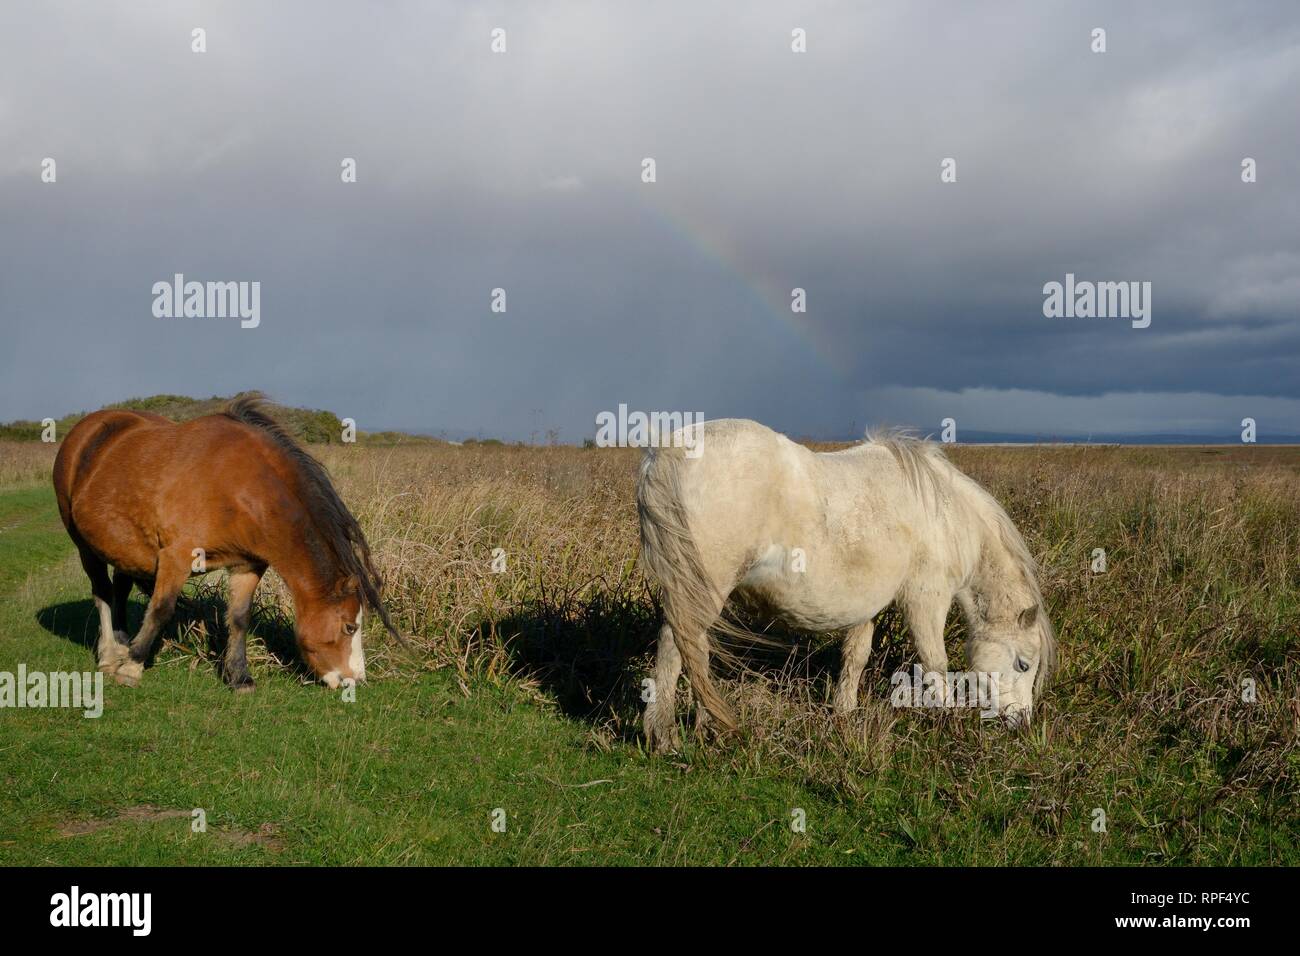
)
(243, 582)
(110, 651)
(173, 572)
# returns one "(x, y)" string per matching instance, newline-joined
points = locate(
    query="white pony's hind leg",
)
(856, 650)
(694, 650)
(661, 710)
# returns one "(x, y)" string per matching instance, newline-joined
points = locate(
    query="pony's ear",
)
(1028, 616)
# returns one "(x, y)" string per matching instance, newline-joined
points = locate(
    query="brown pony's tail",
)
(334, 522)
(691, 600)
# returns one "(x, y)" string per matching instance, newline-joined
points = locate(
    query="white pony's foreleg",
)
(661, 709)
(926, 616)
(856, 650)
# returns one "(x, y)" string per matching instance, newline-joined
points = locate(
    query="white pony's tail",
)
(691, 599)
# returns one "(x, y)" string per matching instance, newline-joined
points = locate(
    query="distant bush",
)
(312, 426)
(20, 431)
(396, 438)
(321, 428)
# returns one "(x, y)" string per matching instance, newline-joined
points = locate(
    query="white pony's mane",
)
(938, 482)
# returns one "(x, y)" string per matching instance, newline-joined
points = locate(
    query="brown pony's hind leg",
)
(122, 585)
(109, 651)
(243, 582)
(173, 572)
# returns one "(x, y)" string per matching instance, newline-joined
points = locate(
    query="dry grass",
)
(25, 463)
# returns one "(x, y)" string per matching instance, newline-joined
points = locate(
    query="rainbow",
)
(710, 243)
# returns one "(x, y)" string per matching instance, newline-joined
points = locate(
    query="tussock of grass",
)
(24, 464)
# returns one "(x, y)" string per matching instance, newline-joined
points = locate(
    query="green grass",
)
(412, 771)
(30, 535)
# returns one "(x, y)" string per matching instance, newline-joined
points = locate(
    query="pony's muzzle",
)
(334, 680)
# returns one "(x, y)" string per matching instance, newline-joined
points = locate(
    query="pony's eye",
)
(1022, 665)
(351, 628)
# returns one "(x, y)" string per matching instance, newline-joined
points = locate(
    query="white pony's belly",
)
(786, 583)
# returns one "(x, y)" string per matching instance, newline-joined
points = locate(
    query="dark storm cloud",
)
(776, 170)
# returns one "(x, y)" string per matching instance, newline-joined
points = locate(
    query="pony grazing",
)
(824, 541)
(160, 501)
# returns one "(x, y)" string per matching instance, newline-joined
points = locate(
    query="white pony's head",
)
(1018, 652)
(1011, 646)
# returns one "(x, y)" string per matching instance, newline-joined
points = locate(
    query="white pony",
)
(826, 541)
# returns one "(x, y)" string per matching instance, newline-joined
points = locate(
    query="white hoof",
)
(662, 736)
(112, 656)
(129, 673)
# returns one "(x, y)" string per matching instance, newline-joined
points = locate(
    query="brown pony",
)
(161, 501)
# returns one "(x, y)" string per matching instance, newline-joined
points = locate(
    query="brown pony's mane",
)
(340, 531)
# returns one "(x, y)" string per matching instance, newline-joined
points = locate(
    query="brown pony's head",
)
(328, 618)
(329, 634)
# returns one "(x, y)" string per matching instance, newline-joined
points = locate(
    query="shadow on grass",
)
(196, 629)
(588, 655)
(591, 655)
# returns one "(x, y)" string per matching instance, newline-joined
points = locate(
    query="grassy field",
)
(523, 693)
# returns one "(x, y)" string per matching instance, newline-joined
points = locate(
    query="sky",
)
(522, 170)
